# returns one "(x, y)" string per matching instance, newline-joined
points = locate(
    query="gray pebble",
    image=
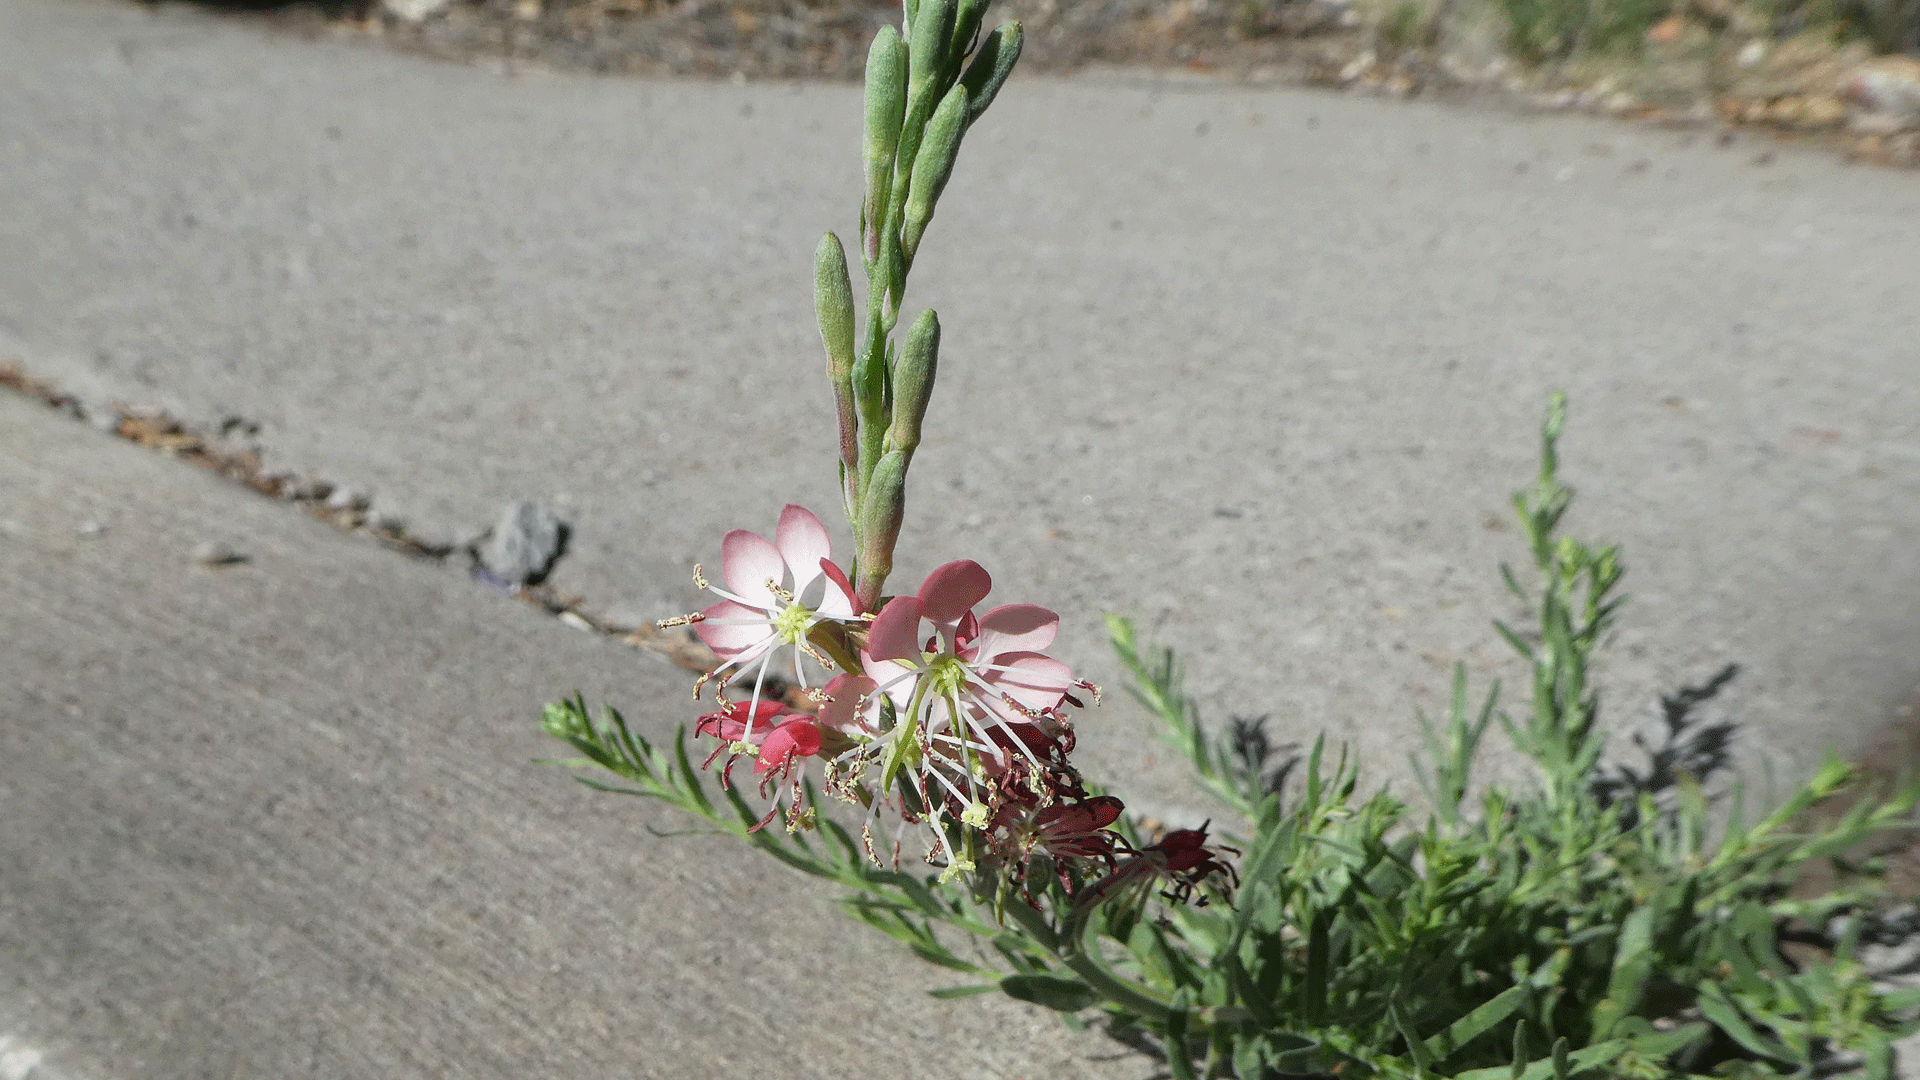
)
(523, 545)
(91, 529)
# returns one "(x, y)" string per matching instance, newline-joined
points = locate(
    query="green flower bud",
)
(886, 108)
(913, 384)
(927, 45)
(992, 62)
(966, 25)
(880, 515)
(833, 304)
(933, 165)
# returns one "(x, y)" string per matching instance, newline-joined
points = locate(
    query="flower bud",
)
(833, 305)
(928, 41)
(913, 384)
(933, 165)
(992, 62)
(880, 514)
(966, 24)
(886, 108)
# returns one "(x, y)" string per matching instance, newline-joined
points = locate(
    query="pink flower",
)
(968, 692)
(769, 601)
(778, 738)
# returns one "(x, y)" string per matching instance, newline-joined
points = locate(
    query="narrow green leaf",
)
(1319, 950)
(1476, 1023)
(1178, 1061)
(1056, 992)
(952, 992)
(1632, 966)
(1724, 1014)
(1416, 1046)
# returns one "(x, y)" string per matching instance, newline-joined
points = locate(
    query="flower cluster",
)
(924, 712)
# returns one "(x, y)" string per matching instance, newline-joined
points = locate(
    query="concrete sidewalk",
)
(280, 819)
(1257, 366)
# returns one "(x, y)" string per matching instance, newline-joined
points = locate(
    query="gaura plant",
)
(1607, 922)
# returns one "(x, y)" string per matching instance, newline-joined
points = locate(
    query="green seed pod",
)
(833, 304)
(992, 62)
(880, 515)
(927, 45)
(913, 384)
(933, 165)
(886, 107)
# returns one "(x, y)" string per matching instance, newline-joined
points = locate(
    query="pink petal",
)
(895, 679)
(1015, 628)
(803, 543)
(749, 562)
(843, 713)
(895, 632)
(839, 601)
(1033, 680)
(795, 738)
(731, 723)
(731, 629)
(952, 590)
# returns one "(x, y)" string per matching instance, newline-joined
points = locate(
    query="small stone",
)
(523, 545)
(216, 553)
(577, 621)
(91, 529)
(347, 498)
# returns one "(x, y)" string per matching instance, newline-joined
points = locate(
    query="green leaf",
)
(1649, 1043)
(1416, 1046)
(1178, 1062)
(1477, 1023)
(1056, 992)
(1724, 1014)
(1632, 965)
(1318, 952)
(952, 992)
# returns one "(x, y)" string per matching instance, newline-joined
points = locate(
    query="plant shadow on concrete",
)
(1608, 921)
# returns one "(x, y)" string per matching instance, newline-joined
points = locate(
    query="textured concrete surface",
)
(281, 818)
(1257, 366)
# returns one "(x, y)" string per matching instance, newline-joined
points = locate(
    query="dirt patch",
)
(828, 39)
(1686, 69)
